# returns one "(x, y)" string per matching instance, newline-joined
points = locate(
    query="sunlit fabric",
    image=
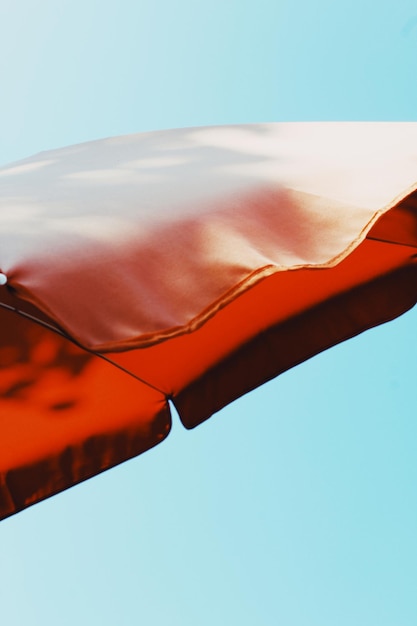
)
(190, 265)
(207, 211)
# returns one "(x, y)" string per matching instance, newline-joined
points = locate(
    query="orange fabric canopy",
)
(190, 265)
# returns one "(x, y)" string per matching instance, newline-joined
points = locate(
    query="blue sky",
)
(296, 504)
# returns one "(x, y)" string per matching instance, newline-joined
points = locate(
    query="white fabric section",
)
(130, 239)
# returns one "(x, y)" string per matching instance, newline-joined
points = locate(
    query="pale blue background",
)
(297, 504)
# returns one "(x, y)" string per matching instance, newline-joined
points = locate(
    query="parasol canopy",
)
(189, 265)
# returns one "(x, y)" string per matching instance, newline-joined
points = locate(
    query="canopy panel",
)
(65, 414)
(161, 230)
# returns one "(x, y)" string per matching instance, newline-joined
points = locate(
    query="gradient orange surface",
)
(128, 241)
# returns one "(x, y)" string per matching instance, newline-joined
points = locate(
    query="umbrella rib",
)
(63, 334)
(397, 243)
